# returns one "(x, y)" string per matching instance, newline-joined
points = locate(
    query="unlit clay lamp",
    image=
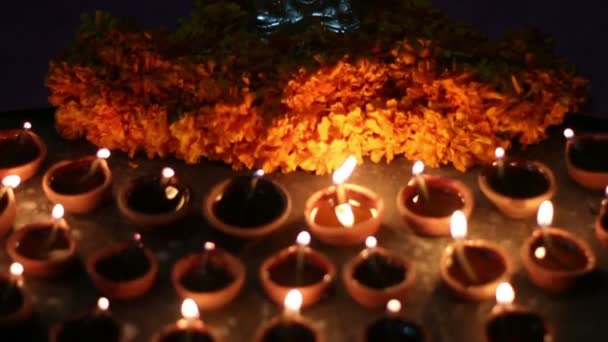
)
(297, 267)
(472, 269)
(190, 328)
(15, 300)
(586, 160)
(291, 326)
(45, 249)
(377, 275)
(554, 258)
(8, 208)
(98, 325)
(427, 202)
(247, 206)
(152, 201)
(80, 185)
(601, 221)
(123, 271)
(212, 278)
(517, 187)
(393, 328)
(344, 214)
(21, 152)
(510, 322)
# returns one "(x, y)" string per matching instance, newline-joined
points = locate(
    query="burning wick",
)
(102, 155)
(303, 240)
(16, 279)
(57, 215)
(167, 173)
(500, 161)
(292, 303)
(103, 305)
(393, 307)
(9, 183)
(568, 133)
(190, 313)
(417, 171)
(137, 240)
(27, 126)
(208, 247)
(505, 295)
(343, 209)
(458, 229)
(370, 243)
(544, 219)
(170, 191)
(604, 201)
(257, 174)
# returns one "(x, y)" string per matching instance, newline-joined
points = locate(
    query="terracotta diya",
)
(376, 275)
(427, 202)
(291, 326)
(586, 160)
(344, 214)
(212, 278)
(247, 206)
(123, 271)
(517, 187)
(21, 152)
(472, 269)
(297, 267)
(15, 300)
(393, 328)
(152, 201)
(187, 329)
(80, 185)
(601, 221)
(8, 208)
(555, 259)
(98, 325)
(509, 322)
(45, 249)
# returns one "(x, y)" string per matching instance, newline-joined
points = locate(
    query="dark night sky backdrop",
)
(32, 32)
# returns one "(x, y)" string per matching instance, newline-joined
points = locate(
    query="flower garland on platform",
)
(410, 82)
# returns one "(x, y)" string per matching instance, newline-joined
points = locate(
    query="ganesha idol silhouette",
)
(335, 15)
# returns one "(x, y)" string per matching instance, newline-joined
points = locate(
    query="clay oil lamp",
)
(152, 201)
(344, 214)
(554, 258)
(98, 325)
(212, 278)
(291, 326)
(376, 275)
(472, 269)
(517, 187)
(427, 202)
(510, 322)
(601, 221)
(393, 328)
(247, 206)
(45, 249)
(123, 271)
(21, 152)
(8, 208)
(80, 185)
(297, 267)
(15, 300)
(189, 328)
(586, 160)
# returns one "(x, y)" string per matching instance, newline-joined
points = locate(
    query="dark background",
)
(33, 32)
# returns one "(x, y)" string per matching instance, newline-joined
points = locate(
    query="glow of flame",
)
(505, 294)
(606, 191)
(103, 153)
(303, 239)
(189, 309)
(371, 242)
(167, 172)
(209, 246)
(458, 225)
(27, 125)
(58, 211)
(540, 252)
(171, 192)
(137, 237)
(393, 306)
(293, 301)
(345, 170)
(11, 181)
(103, 304)
(418, 168)
(344, 213)
(499, 153)
(568, 133)
(544, 217)
(258, 173)
(16, 269)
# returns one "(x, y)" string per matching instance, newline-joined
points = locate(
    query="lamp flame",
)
(27, 126)
(418, 168)
(168, 172)
(345, 170)
(505, 294)
(499, 153)
(568, 133)
(393, 306)
(103, 304)
(458, 225)
(103, 153)
(371, 242)
(258, 173)
(209, 246)
(189, 309)
(11, 181)
(540, 252)
(344, 213)
(293, 301)
(58, 211)
(16, 269)
(544, 217)
(606, 191)
(303, 239)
